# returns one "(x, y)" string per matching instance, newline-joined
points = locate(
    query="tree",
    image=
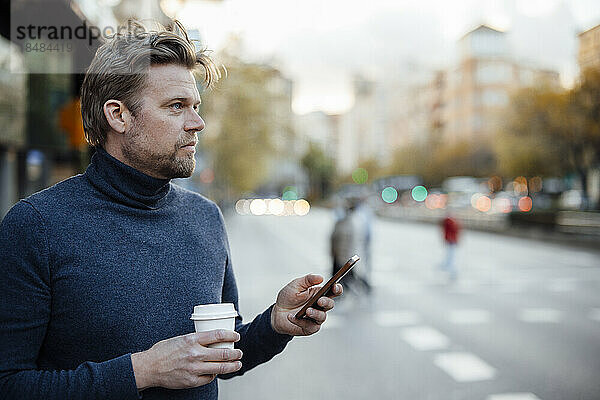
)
(588, 99)
(240, 125)
(436, 161)
(584, 106)
(553, 132)
(462, 158)
(409, 160)
(321, 172)
(525, 145)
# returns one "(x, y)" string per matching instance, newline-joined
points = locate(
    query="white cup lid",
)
(214, 311)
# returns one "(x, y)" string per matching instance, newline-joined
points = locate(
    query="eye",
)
(177, 106)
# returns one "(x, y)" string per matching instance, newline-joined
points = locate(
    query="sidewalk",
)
(571, 227)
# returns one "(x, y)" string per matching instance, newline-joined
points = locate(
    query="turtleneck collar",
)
(125, 184)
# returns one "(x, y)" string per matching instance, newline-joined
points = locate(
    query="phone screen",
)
(328, 286)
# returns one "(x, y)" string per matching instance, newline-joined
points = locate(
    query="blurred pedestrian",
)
(451, 230)
(339, 208)
(349, 238)
(366, 214)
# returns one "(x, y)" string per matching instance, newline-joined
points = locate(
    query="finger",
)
(325, 303)
(308, 326)
(217, 368)
(203, 380)
(337, 290)
(306, 282)
(317, 316)
(216, 336)
(309, 293)
(220, 354)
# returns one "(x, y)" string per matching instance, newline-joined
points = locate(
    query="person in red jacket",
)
(451, 229)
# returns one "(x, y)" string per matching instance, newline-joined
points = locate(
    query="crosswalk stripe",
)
(464, 367)
(512, 396)
(424, 338)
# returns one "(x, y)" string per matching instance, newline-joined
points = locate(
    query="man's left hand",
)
(292, 297)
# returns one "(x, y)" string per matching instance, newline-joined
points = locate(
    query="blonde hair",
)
(120, 67)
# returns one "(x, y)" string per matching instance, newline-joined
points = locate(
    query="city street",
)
(521, 323)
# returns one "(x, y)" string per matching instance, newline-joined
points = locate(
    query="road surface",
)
(522, 322)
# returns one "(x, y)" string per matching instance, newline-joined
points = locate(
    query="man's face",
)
(161, 141)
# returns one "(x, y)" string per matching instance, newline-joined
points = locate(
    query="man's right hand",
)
(185, 361)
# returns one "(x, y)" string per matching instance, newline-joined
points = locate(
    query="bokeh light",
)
(360, 175)
(483, 204)
(288, 208)
(474, 199)
(430, 202)
(242, 207)
(419, 193)
(272, 207)
(535, 184)
(495, 184)
(258, 207)
(389, 194)
(301, 207)
(276, 207)
(525, 204)
(520, 186)
(442, 200)
(267, 209)
(502, 204)
(290, 193)
(435, 201)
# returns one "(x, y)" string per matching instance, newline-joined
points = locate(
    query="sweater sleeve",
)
(258, 341)
(25, 310)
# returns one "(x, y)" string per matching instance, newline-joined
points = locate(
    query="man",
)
(99, 273)
(347, 239)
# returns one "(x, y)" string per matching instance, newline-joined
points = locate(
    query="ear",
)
(117, 115)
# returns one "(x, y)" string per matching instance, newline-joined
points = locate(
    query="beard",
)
(166, 164)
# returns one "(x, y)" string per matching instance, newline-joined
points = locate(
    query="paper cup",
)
(208, 317)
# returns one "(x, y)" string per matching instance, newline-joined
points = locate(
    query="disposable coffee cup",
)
(208, 317)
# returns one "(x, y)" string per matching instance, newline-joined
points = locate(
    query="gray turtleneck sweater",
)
(105, 264)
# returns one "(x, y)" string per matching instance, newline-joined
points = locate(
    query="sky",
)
(322, 44)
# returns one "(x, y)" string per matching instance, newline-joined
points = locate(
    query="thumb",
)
(306, 282)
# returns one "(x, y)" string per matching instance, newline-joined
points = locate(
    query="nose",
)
(194, 123)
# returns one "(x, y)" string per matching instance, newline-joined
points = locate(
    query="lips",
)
(192, 144)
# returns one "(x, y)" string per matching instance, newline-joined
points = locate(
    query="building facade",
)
(284, 167)
(479, 87)
(370, 129)
(589, 48)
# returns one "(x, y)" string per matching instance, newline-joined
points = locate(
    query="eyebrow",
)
(182, 99)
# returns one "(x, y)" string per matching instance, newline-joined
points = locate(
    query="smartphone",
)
(328, 286)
